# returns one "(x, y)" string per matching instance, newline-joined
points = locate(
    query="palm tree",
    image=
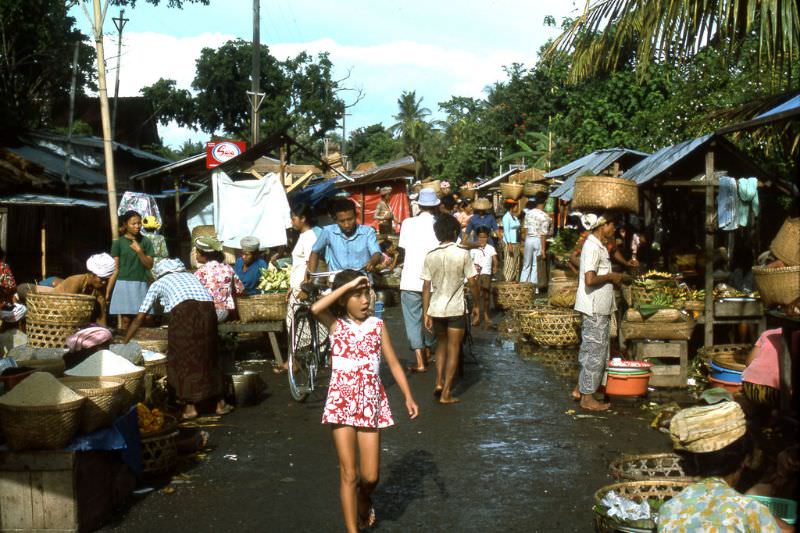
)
(411, 126)
(534, 150)
(604, 36)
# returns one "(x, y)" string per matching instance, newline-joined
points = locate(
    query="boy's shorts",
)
(442, 324)
(485, 281)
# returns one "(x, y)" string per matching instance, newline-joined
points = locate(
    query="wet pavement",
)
(516, 455)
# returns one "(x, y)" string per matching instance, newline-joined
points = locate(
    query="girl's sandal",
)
(369, 523)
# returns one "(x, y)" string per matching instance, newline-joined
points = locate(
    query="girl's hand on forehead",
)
(360, 282)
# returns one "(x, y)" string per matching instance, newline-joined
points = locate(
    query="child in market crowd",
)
(356, 406)
(389, 254)
(444, 310)
(484, 257)
(133, 255)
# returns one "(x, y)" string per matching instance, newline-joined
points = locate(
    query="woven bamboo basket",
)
(531, 189)
(662, 315)
(40, 428)
(660, 490)
(647, 466)
(157, 369)
(556, 358)
(60, 309)
(55, 367)
(556, 328)
(203, 231)
(556, 285)
(511, 191)
(786, 244)
(675, 331)
(467, 193)
(160, 449)
(133, 388)
(604, 192)
(565, 297)
(42, 335)
(736, 351)
(513, 294)
(262, 307)
(153, 339)
(778, 286)
(433, 184)
(566, 369)
(102, 400)
(643, 295)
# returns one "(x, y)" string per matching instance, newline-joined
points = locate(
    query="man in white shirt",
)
(595, 301)
(417, 239)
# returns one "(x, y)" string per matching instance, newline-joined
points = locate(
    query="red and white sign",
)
(220, 151)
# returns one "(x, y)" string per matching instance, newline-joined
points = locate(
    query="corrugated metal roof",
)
(97, 143)
(789, 105)
(497, 179)
(50, 200)
(649, 168)
(593, 163)
(397, 169)
(186, 161)
(53, 165)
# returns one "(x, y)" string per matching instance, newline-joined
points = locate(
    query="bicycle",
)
(308, 354)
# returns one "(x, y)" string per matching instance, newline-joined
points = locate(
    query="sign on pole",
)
(220, 151)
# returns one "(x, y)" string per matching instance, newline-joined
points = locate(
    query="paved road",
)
(508, 458)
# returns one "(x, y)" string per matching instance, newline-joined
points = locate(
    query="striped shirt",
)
(173, 289)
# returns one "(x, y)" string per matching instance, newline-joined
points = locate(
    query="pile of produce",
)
(40, 389)
(149, 420)
(726, 291)
(274, 279)
(564, 244)
(104, 363)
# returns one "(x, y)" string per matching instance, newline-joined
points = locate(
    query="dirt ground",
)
(513, 456)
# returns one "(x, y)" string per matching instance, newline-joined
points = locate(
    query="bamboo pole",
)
(105, 116)
(43, 239)
(708, 338)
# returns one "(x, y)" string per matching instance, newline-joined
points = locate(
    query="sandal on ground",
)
(416, 369)
(369, 523)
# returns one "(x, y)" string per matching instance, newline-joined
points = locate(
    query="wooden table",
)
(270, 328)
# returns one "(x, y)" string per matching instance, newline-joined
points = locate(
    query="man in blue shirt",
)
(346, 244)
(482, 217)
(248, 266)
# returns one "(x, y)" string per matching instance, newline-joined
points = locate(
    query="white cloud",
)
(382, 70)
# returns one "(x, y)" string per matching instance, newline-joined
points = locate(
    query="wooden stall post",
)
(43, 239)
(708, 338)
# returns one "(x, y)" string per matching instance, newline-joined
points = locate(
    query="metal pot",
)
(246, 387)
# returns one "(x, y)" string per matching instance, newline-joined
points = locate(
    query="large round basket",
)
(133, 388)
(660, 490)
(565, 296)
(40, 428)
(726, 354)
(153, 339)
(203, 231)
(604, 192)
(262, 307)
(433, 184)
(102, 400)
(556, 328)
(467, 193)
(647, 466)
(778, 286)
(513, 294)
(60, 309)
(523, 318)
(156, 368)
(530, 188)
(511, 191)
(786, 244)
(159, 448)
(55, 367)
(45, 335)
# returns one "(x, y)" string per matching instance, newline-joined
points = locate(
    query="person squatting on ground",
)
(417, 238)
(356, 406)
(484, 256)
(595, 301)
(444, 309)
(133, 255)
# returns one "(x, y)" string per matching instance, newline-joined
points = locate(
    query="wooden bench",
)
(270, 328)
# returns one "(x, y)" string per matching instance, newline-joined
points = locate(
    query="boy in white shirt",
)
(485, 259)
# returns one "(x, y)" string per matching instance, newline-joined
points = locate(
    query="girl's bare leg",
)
(486, 294)
(454, 338)
(441, 359)
(369, 451)
(344, 439)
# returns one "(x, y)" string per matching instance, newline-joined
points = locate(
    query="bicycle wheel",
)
(301, 357)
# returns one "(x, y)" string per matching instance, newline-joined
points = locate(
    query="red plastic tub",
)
(622, 385)
(727, 385)
(13, 376)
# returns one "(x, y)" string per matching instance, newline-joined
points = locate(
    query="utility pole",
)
(72, 88)
(120, 24)
(344, 137)
(255, 95)
(108, 150)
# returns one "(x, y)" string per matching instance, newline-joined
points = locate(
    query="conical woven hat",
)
(707, 428)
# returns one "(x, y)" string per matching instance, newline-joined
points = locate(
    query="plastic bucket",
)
(727, 385)
(724, 374)
(627, 385)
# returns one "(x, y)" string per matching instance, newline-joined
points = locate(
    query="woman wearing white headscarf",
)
(194, 369)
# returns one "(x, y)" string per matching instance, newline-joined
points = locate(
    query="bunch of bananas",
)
(149, 420)
(655, 274)
(274, 279)
(686, 295)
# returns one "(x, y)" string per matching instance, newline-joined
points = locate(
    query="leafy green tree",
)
(372, 143)
(412, 127)
(37, 41)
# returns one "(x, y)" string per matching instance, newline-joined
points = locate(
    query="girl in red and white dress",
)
(356, 406)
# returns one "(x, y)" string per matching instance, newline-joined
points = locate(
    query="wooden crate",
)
(665, 375)
(61, 491)
(729, 308)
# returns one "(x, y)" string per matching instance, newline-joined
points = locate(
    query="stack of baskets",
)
(262, 307)
(511, 191)
(523, 318)
(562, 289)
(604, 192)
(786, 244)
(513, 294)
(160, 449)
(52, 318)
(556, 328)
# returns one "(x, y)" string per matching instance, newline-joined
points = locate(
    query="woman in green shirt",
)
(133, 255)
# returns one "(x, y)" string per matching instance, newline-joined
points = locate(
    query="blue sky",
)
(437, 48)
